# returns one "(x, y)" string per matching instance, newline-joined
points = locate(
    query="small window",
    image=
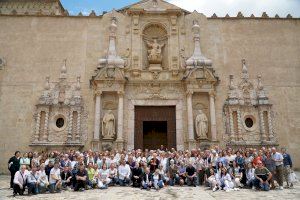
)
(60, 122)
(249, 122)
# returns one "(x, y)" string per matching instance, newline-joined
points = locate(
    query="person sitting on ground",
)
(262, 177)
(147, 179)
(212, 180)
(81, 178)
(43, 182)
(191, 175)
(137, 174)
(225, 180)
(103, 177)
(92, 176)
(236, 174)
(19, 181)
(66, 177)
(55, 179)
(250, 176)
(32, 181)
(157, 180)
(113, 174)
(124, 173)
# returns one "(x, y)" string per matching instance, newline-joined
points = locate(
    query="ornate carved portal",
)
(155, 114)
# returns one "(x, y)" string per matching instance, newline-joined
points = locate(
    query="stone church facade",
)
(145, 75)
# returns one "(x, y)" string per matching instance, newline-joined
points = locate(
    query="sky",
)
(207, 7)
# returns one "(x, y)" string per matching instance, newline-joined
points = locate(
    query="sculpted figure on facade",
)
(201, 123)
(155, 52)
(108, 125)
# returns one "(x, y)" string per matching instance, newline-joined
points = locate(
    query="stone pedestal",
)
(107, 144)
(192, 144)
(155, 67)
(96, 145)
(119, 144)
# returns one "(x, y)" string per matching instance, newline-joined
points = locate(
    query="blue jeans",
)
(264, 186)
(32, 188)
(124, 182)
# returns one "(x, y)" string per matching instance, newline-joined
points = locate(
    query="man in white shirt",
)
(55, 179)
(278, 158)
(19, 180)
(32, 180)
(124, 173)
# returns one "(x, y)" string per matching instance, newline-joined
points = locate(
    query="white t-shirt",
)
(56, 172)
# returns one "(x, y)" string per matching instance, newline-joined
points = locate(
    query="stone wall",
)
(35, 46)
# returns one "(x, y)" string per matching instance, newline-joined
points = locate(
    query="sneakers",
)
(253, 188)
(280, 188)
(215, 188)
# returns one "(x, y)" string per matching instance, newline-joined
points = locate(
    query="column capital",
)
(212, 93)
(121, 93)
(189, 93)
(98, 93)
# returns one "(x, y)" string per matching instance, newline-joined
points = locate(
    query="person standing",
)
(278, 158)
(287, 164)
(14, 166)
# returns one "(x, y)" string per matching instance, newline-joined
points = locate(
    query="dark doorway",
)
(156, 125)
(155, 134)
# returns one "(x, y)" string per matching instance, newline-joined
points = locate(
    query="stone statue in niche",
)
(201, 123)
(108, 125)
(155, 52)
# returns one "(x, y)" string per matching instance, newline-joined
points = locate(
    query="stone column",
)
(70, 137)
(239, 121)
(262, 125)
(45, 137)
(232, 137)
(97, 115)
(120, 139)
(270, 121)
(212, 110)
(37, 127)
(78, 127)
(190, 120)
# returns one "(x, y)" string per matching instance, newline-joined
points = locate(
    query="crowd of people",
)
(218, 169)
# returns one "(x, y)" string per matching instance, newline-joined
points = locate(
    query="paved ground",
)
(184, 193)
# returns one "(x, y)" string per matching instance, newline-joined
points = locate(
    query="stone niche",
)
(60, 117)
(155, 47)
(248, 113)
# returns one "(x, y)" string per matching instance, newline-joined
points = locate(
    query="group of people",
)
(219, 169)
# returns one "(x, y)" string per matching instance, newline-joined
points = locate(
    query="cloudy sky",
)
(207, 7)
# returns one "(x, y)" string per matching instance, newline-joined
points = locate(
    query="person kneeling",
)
(262, 177)
(81, 178)
(191, 178)
(32, 181)
(19, 180)
(55, 179)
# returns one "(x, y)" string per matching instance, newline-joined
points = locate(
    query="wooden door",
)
(156, 114)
